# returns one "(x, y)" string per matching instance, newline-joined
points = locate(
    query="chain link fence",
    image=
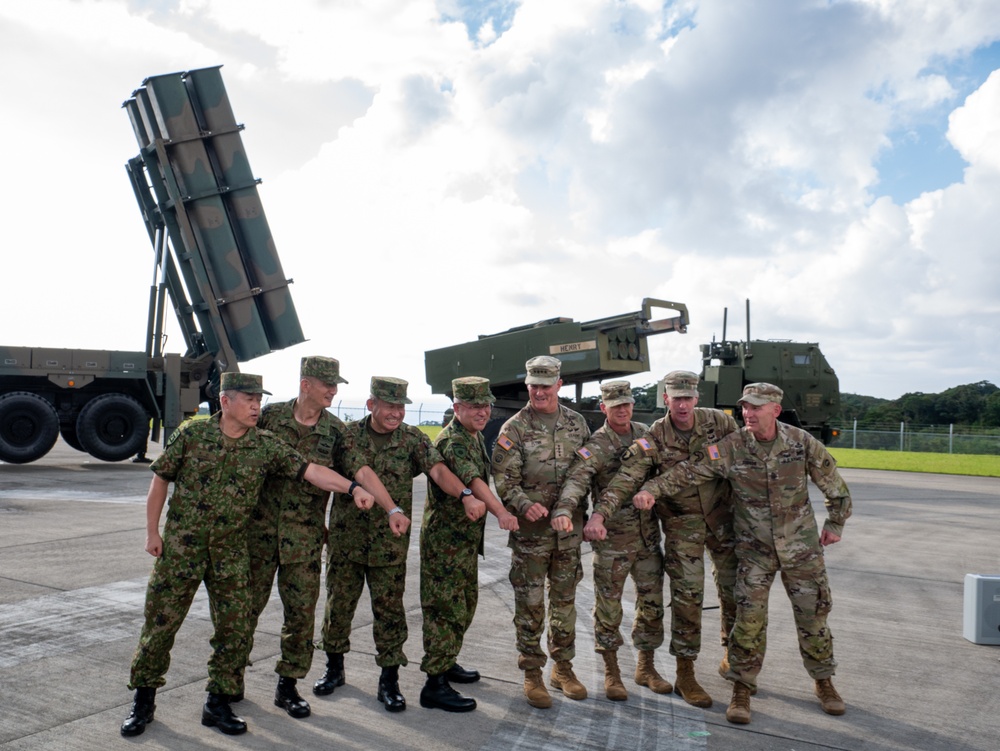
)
(936, 439)
(416, 414)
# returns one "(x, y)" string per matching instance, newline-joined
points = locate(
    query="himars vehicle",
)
(213, 255)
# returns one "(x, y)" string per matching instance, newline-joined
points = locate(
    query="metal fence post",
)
(901, 426)
(854, 435)
(951, 435)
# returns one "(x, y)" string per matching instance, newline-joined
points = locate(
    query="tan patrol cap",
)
(245, 382)
(472, 390)
(680, 383)
(614, 393)
(392, 390)
(760, 394)
(325, 369)
(542, 370)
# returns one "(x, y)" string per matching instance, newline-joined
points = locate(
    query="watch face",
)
(466, 493)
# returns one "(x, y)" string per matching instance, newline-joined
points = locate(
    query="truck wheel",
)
(29, 426)
(68, 432)
(112, 427)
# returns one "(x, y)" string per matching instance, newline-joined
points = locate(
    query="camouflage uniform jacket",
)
(217, 483)
(773, 517)
(364, 536)
(444, 516)
(662, 448)
(530, 463)
(596, 463)
(291, 516)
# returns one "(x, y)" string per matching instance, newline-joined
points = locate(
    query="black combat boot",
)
(457, 674)
(141, 715)
(437, 693)
(333, 677)
(388, 689)
(217, 713)
(287, 697)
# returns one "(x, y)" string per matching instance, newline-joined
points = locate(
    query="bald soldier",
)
(530, 460)
(288, 526)
(371, 546)
(693, 519)
(451, 538)
(218, 467)
(769, 465)
(631, 546)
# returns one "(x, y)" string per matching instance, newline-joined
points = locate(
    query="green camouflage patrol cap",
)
(678, 384)
(614, 393)
(542, 371)
(325, 369)
(472, 390)
(760, 394)
(245, 382)
(392, 390)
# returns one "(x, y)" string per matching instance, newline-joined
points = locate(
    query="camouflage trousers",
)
(386, 584)
(528, 574)
(808, 589)
(168, 599)
(298, 588)
(449, 594)
(612, 566)
(685, 539)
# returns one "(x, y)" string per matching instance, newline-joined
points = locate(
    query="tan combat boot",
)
(739, 706)
(614, 689)
(534, 689)
(563, 678)
(646, 675)
(829, 699)
(688, 687)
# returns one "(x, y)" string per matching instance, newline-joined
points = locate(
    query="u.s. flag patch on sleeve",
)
(582, 451)
(713, 452)
(644, 444)
(505, 443)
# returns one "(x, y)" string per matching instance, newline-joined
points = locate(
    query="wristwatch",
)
(350, 490)
(395, 510)
(466, 493)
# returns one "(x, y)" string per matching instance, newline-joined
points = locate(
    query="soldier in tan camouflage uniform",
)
(288, 526)
(769, 465)
(631, 546)
(530, 460)
(218, 467)
(371, 546)
(694, 519)
(451, 537)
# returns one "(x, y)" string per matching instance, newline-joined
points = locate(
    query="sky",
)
(433, 171)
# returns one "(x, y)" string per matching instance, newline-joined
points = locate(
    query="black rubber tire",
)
(29, 426)
(68, 432)
(112, 427)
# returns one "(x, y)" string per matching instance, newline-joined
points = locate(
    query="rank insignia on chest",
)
(582, 451)
(505, 443)
(713, 452)
(644, 444)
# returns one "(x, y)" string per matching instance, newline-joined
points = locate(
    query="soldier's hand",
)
(828, 538)
(536, 512)
(474, 508)
(508, 521)
(398, 523)
(363, 499)
(594, 529)
(643, 500)
(562, 524)
(154, 544)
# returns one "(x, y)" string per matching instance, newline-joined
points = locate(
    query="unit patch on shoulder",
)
(505, 443)
(713, 452)
(582, 451)
(174, 436)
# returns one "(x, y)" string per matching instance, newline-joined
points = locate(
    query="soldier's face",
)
(619, 417)
(761, 421)
(316, 391)
(386, 416)
(681, 410)
(473, 417)
(544, 399)
(241, 408)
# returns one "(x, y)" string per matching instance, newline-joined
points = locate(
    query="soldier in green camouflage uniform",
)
(769, 465)
(371, 546)
(218, 467)
(694, 519)
(288, 526)
(530, 460)
(630, 548)
(451, 537)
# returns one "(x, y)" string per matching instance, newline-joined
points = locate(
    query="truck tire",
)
(112, 427)
(68, 432)
(29, 426)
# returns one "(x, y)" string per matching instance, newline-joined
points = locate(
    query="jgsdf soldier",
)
(366, 546)
(218, 467)
(693, 519)
(632, 546)
(769, 465)
(532, 456)
(288, 527)
(451, 536)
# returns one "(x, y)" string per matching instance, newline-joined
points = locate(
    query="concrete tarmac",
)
(72, 581)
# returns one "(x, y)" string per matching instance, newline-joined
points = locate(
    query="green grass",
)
(979, 465)
(431, 430)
